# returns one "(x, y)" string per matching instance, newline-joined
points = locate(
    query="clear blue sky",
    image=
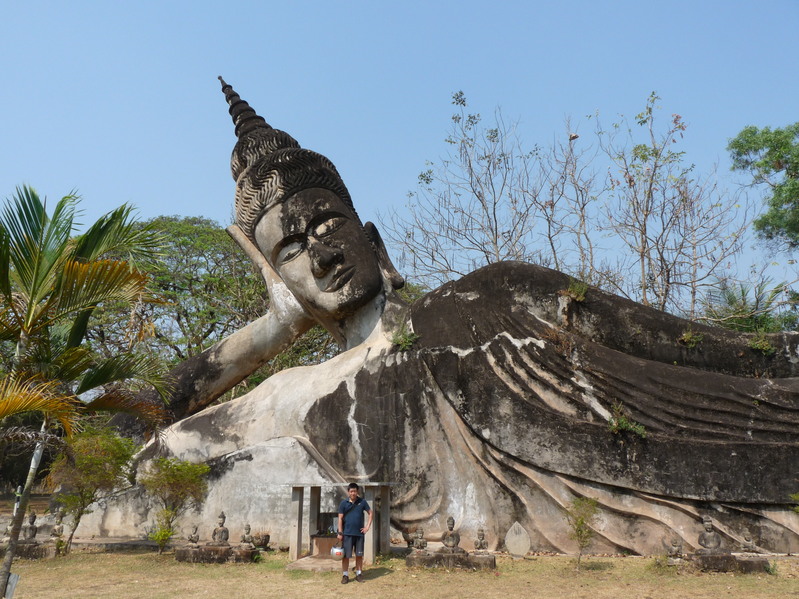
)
(121, 102)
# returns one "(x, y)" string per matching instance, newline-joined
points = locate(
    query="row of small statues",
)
(709, 541)
(451, 540)
(31, 529)
(220, 536)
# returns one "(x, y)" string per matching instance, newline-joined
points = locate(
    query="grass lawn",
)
(150, 576)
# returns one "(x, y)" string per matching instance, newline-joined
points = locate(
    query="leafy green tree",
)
(206, 289)
(93, 465)
(771, 156)
(177, 486)
(581, 516)
(50, 285)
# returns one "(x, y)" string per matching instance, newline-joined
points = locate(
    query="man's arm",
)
(340, 525)
(366, 528)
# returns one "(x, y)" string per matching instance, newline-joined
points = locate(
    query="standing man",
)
(351, 530)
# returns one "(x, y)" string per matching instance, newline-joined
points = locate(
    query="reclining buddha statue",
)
(506, 406)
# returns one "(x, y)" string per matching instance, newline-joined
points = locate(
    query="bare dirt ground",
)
(150, 576)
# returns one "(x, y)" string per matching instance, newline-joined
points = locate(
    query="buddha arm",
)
(203, 378)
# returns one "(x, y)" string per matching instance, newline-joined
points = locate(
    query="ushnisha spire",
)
(244, 117)
(269, 166)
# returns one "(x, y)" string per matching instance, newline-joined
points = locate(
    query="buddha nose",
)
(323, 257)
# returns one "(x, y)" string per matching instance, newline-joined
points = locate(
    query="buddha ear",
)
(396, 280)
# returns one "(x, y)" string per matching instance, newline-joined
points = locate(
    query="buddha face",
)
(316, 244)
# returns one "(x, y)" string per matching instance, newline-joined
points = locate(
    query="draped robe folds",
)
(500, 412)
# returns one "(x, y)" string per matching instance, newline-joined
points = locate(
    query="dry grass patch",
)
(149, 576)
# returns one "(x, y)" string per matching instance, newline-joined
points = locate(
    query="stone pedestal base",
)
(31, 550)
(726, 562)
(214, 554)
(451, 560)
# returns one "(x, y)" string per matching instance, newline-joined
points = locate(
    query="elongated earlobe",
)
(396, 280)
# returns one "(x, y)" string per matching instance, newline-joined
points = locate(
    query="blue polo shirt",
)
(353, 516)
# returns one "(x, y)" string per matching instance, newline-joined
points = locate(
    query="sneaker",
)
(345, 579)
(359, 577)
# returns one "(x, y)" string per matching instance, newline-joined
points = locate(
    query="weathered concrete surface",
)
(464, 561)
(725, 562)
(500, 412)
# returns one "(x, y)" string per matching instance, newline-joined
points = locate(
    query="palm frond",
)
(24, 436)
(126, 367)
(36, 242)
(19, 394)
(118, 235)
(9, 325)
(69, 364)
(84, 285)
(122, 400)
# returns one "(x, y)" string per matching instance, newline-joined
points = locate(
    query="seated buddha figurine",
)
(709, 539)
(451, 539)
(220, 534)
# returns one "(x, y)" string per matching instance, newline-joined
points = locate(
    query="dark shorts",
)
(349, 542)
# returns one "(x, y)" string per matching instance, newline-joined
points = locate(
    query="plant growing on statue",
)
(581, 516)
(761, 344)
(404, 338)
(619, 422)
(94, 463)
(176, 485)
(576, 290)
(690, 339)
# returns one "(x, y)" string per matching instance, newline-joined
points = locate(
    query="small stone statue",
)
(675, 548)
(480, 543)
(30, 529)
(58, 528)
(419, 542)
(246, 538)
(451, 539)
(220, 535)
(194, 536)
(748, 546)
(709, 539)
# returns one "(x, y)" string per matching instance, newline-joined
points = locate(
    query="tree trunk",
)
(19, 517)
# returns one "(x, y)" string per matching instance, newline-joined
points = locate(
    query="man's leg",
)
(345, 561)
(359, 559)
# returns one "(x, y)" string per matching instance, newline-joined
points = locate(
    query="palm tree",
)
(50, 283)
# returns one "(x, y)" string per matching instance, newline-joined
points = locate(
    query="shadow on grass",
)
(591, 566)
(372, 573)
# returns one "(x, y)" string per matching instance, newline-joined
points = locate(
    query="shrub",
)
(94, 463)
(176, 485)
(581, 516)
(164, 529)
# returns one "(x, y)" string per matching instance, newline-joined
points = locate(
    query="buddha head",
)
(292, 203)
(707, 522)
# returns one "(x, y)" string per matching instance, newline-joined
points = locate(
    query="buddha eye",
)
(329, 226)
(288, 252)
